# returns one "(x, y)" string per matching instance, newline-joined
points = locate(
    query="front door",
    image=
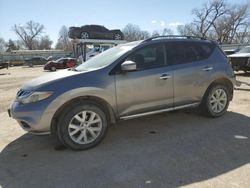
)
(150, 87)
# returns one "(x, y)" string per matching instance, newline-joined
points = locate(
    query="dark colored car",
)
(241, 60)
(4, 65)
(230, 51)
(94, 32)
(62, 63)
(36, 61)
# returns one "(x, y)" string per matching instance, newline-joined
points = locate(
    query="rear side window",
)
(187, 52)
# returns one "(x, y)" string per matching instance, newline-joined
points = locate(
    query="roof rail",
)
(174, 37)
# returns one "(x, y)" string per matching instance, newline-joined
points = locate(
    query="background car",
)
(4, 65)
(62, 63)
(230, 51)
(241, 60)
(95, 32)
(36, 61)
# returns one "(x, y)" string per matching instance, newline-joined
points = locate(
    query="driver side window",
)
(148, 57)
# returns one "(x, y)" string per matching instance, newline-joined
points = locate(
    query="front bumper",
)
(32, 117)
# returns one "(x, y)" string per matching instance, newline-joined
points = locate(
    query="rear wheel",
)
(84, 35)
(53, 68)
(215, 101)
(83, 127)
(117, 36)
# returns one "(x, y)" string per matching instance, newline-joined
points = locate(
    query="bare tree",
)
(188, 30)
(2, 45)
(167, 31)
(44, 43)
(218, 20)
(234, 26)
(155, 34)
(63, 40)
(28, 33)
(133, 32)
(207, 15)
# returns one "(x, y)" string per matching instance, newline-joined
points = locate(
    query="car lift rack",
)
(82, 44)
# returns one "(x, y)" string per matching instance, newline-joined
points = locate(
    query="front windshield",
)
(245, 50)
(104, 59)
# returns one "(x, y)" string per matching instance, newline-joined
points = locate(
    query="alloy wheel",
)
(84, 35)
(85, 127)
(218, 100)
(118, 36)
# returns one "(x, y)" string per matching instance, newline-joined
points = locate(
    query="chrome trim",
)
(160, 111)
(39, 133)
(164, 77)
(208, 68)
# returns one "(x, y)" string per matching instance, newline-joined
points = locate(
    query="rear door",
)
(191, 68)
(149, 88)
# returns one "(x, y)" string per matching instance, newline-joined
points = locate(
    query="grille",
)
(238, 61)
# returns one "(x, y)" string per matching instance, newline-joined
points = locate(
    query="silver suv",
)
(128, 81)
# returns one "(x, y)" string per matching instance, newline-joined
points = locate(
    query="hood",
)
(48, 63)
(240, 55)
(49, 78)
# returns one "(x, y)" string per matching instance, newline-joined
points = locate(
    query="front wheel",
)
(30, 65)
(82, 127)
(215, 101)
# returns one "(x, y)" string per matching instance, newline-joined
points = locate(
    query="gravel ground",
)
(168, 150)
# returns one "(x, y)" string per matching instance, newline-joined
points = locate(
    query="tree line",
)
(216, 19)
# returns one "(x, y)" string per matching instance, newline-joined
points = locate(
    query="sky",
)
(149, 15)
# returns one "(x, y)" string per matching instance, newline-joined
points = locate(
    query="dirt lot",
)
(168, 150)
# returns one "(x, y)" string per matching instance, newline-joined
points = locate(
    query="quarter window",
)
(186, 52)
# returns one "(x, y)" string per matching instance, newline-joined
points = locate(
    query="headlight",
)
(34, 97)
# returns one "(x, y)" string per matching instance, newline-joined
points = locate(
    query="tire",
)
(84, 35)
(117, 36)
(53, 68)
(213, 106)
(74, 132)
(30, 65)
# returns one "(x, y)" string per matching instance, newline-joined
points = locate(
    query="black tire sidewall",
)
(211, 90)
(63, 123)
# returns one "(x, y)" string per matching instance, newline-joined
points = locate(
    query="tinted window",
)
(148, 57)
(186, 52)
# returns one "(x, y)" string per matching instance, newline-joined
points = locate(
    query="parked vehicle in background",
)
(62, 63)
(36, 61)
(131, 80)
(4, 65)
(94, 32)
(230, 51)
(241, 59)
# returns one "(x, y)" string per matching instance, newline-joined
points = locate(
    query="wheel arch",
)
(103, 104)
(223, 81)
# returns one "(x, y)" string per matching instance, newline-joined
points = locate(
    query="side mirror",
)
(128, 66)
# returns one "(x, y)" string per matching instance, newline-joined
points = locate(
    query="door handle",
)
(208, 68)
(165, 76)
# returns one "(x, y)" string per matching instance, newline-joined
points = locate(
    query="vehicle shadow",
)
(167, 150)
